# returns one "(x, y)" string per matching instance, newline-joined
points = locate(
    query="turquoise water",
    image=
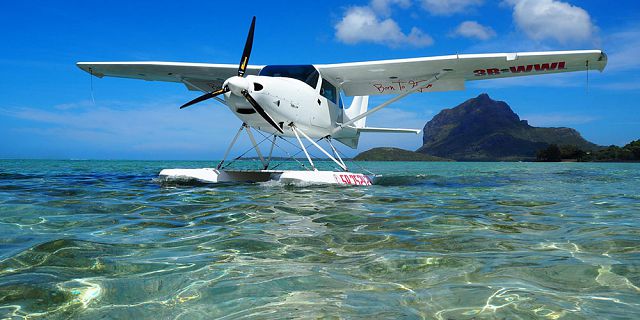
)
(104, 240)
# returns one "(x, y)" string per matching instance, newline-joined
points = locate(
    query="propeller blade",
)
(247, 49)
(261, 111)
(204, 97)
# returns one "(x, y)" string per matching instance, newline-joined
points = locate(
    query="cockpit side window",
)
(305, 73)
(329, 91)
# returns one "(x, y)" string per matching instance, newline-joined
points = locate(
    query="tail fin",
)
(358, 106)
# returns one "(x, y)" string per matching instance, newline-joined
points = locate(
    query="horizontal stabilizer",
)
(388, 130)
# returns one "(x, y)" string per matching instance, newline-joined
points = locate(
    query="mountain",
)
(395, 154)
(482, 129)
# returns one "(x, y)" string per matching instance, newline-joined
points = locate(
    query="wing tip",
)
(88, 68)
(603, 60)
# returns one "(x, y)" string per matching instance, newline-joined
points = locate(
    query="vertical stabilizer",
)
(358, 106)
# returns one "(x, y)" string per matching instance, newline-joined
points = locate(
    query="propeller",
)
(244, 61)
(248, 45)
(261, 111)
(206, 96)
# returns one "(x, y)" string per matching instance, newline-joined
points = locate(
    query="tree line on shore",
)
(555, 153)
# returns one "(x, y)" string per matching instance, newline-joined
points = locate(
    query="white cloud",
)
(552, 19)
(449, 7)
(472, 29)
(383, 7)
(361, 24)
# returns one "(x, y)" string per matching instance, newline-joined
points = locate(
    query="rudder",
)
(358, 106)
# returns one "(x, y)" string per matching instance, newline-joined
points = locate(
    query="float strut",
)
(273, 143)
(255, 145)
(231, 145)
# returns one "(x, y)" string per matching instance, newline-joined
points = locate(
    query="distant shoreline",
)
(324, 159)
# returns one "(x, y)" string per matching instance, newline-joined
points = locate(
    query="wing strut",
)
(392, 100)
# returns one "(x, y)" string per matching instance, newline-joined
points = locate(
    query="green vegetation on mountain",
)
(482, 129)
(395, 154)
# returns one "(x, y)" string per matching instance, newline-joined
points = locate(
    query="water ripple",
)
(106, 239)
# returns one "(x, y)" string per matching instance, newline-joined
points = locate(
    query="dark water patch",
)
(421, 205)
(165, 224)
(402, 267)
(404, 180)
(385, 200)
(64, 253)
(343, 219)
(18, 176)
(15, 188)
(246, 246)
(438, 181)
(500, 216)
(34, 295)
(524, 203)
(66, 192)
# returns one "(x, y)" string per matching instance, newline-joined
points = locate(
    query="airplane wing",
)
(398, 76)
(196, 76)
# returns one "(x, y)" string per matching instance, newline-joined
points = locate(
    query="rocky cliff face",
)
(482, 129)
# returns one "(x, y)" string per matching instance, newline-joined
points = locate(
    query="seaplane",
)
(299, 102)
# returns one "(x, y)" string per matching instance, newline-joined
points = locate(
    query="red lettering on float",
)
(353, 179)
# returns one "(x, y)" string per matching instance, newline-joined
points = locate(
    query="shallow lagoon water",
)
(104, 239)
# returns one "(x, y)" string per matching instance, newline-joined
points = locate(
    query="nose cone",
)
(237, 84)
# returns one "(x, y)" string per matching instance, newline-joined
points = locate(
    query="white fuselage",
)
(286, 100)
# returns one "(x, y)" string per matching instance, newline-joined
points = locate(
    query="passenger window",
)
(328, 91)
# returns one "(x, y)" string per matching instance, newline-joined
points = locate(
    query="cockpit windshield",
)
(305, 73)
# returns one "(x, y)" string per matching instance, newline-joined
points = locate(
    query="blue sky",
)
(46, 108)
